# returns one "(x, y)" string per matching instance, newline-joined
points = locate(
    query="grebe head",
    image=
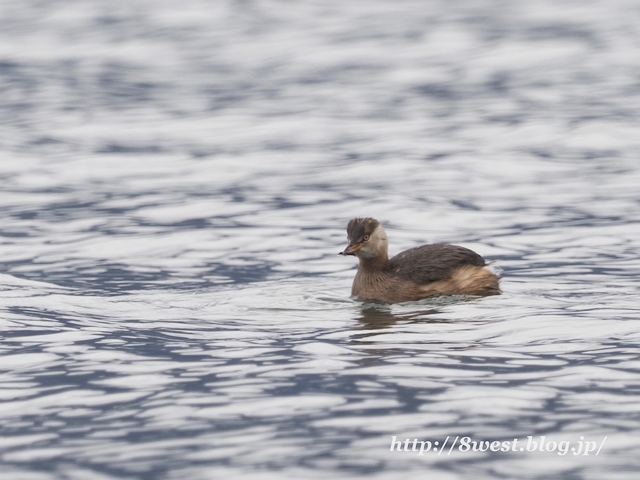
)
(366, 237)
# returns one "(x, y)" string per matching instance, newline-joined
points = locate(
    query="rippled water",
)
(176, 180)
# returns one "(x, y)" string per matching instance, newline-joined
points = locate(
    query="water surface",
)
(176, 180)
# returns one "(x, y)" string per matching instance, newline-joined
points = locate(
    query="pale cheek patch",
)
(364, 252)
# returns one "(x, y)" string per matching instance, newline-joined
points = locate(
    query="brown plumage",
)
(436, 269)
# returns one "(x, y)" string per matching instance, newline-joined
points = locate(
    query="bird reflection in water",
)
(374, 316)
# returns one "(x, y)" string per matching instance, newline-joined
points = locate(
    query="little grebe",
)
(420, 272)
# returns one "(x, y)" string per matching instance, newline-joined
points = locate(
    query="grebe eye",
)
(366, 237)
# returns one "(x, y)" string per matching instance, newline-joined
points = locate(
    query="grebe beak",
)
(351, 249)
